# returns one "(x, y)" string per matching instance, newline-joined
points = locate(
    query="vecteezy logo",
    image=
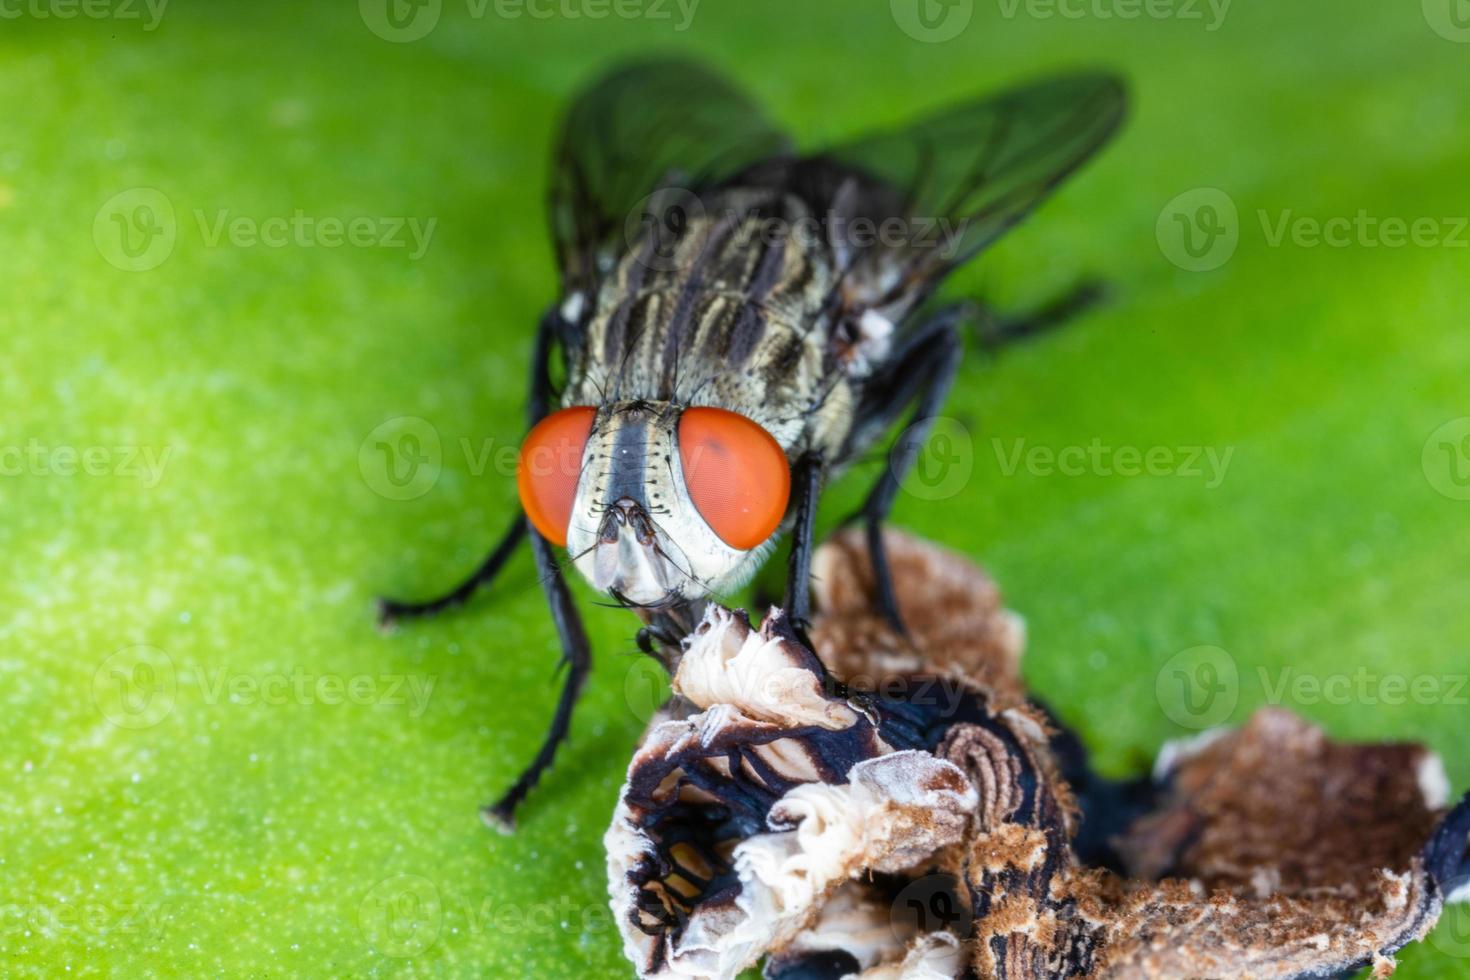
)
(135, 687)
(1198, 688)
(932, 21)
(1199, 230)
(135, 230)
(938, 466)
(1452, 935)
(657, 229)
(401, 916)
(645, 687)
(400, 21)
(930, 904)
(1446, 459)
(1450, 19)
(401, 458)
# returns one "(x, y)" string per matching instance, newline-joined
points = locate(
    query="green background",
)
(214, 765)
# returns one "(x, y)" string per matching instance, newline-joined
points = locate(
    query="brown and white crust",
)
(956, 620)
(782, 810)
(822, 799)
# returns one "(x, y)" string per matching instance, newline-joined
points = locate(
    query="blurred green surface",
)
(216, 765)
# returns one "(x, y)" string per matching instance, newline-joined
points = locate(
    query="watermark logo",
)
(135, 687)
(298, 686)
(1363, 687)
(932, 21)
(1446, 459)
(938, 465)
(645, 688)
(1210, 13)
(1362, 230)
(400, 21)
(142, 463)
(1198, 688)
(1207, 463)
(657, 229)
(401, 916)
(1450, 19)
(136, 230)
(930, 904)
(1199, 230)
(302, 230)
(401, 459)
(671, 228)
(1452, 935)
(679, 12)
(98, 921)
(405, 915)
(148, 11)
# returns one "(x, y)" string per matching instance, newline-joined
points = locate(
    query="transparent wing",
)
(644, 127)
(962, 178)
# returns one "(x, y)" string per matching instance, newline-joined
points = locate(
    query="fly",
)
(739, 321)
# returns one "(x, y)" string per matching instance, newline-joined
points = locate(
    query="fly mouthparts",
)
(629, 513)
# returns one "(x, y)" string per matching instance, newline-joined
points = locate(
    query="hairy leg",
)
(537, 404)
(923, 375)
(392, 610)
(806, 483)
(576, 656)
(995, 330)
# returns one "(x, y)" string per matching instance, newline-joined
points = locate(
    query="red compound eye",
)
(737, 475)
(549, 467)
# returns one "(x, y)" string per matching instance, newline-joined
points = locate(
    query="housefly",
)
(737, 322)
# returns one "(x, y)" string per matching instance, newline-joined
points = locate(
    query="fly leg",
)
(922, 373)
(663, 644)
(576, 657)
(651, 638)
(391, 610)
(576, 653)
(995, 330)
(806, 481)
